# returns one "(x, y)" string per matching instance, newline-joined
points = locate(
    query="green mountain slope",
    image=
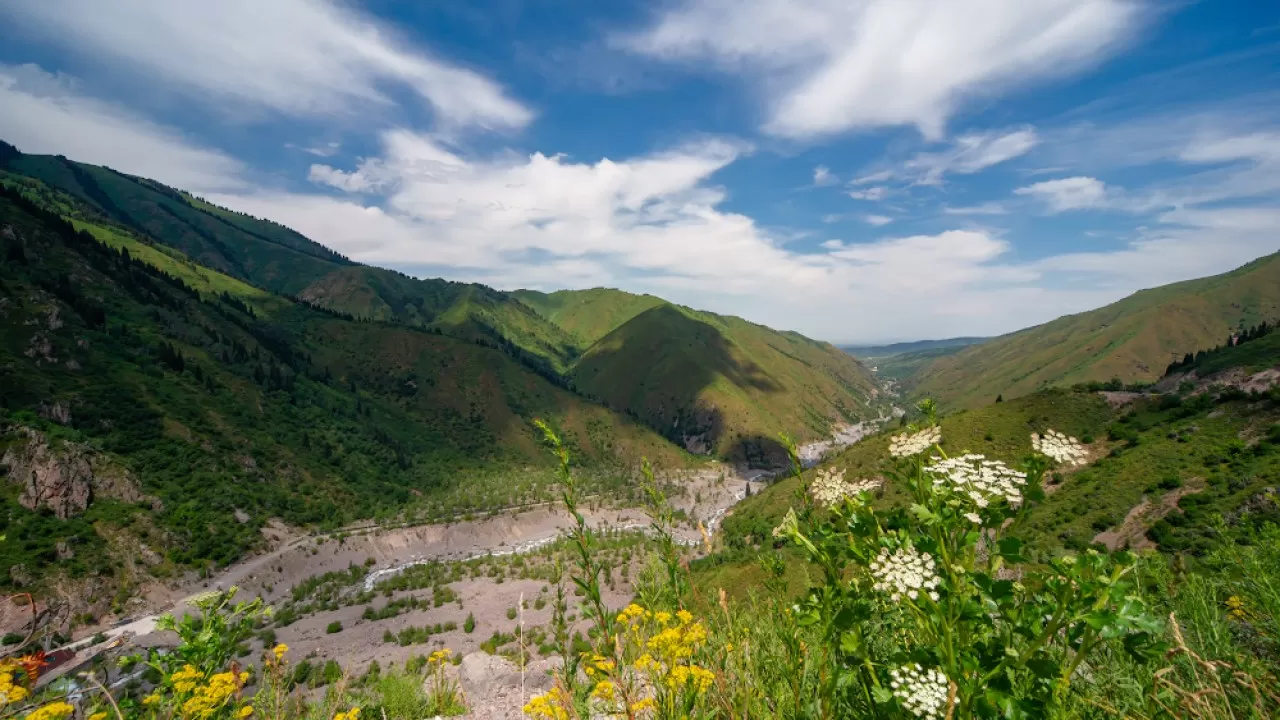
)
(588, 315)
(154, 414)
(1134, 339)
(722, 384)
(809, 385)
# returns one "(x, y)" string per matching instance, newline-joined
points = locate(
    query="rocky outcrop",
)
(64, 477)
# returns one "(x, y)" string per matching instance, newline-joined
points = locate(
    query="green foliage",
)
(469, 625)
(333, 627)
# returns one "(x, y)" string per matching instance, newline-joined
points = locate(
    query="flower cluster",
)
(829, 488)
(440, 657)
(207, 699)
(352, 714)
(551, 705)
(905, 572)
(279, 650)
(908, 444)
(52, 711)
(1058, 447)
(983, 481)
(922, 692)
(789, 526)
(12, 689)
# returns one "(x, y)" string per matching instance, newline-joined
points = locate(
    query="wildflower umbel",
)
(789, 526)
(923, 692)
(829, 488)
(1058, 447)
(981, 480)
(910, 444)
(905, 572)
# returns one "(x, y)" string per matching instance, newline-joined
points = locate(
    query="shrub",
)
(334, 627)
(469, 624)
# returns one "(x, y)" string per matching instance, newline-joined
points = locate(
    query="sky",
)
(856, 170)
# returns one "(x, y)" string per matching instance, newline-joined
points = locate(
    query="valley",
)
(197, 400)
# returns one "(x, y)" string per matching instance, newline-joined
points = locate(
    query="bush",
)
(469, 624)
(334, 627)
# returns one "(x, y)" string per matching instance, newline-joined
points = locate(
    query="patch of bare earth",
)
(1132, 532)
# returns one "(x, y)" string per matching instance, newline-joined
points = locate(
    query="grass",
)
(1134, 339)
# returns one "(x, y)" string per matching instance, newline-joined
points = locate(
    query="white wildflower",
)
(829, 488)
(923, 692)
(973, 517)
(790, 525)
(907, 444)
(1058, 447)
(905, 572)
(983, 481)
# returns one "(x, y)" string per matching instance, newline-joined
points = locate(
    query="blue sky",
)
(857, 170)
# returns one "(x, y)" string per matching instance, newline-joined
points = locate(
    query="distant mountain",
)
(867, 352)
(1134, 339)
(709, 382)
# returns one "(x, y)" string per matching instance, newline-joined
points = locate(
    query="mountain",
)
(1132, 340)
(157, 414)
(809, 389)
(868, 352)
(709, 382)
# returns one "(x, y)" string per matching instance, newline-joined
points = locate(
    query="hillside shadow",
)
(657, 368)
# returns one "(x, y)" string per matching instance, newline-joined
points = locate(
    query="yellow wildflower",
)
(1235, 608)
(646, 662)
(10, 690)
(100, 715)
(186, 679)
(690, 676)
(550, 705)
(631, 613)
(152, 699)
(439, 657)
(685, 616)
(604, 690)
(279, 651)
(352, 714)
(52, 711)
(642, 706)
(243, 712)
(663, 617)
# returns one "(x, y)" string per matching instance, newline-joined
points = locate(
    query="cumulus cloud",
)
(878, 220)
(298, 57)
(45, 113)
(822, 176)
(835, 65)
(1073, 193)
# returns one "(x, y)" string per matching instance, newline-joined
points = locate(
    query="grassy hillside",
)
(1134, 339)
(723, 384)
(588, 315)
(227, 406)
(712, 383)
(810, 385)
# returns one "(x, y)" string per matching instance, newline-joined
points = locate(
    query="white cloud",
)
(1073, 193)
(871, 194)
(988, 208)
(877, 220)
(968, 154)
(822, 176)
(328, 149)
(299, 57)
(834, 65)
(44, 113)
(657, 223)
